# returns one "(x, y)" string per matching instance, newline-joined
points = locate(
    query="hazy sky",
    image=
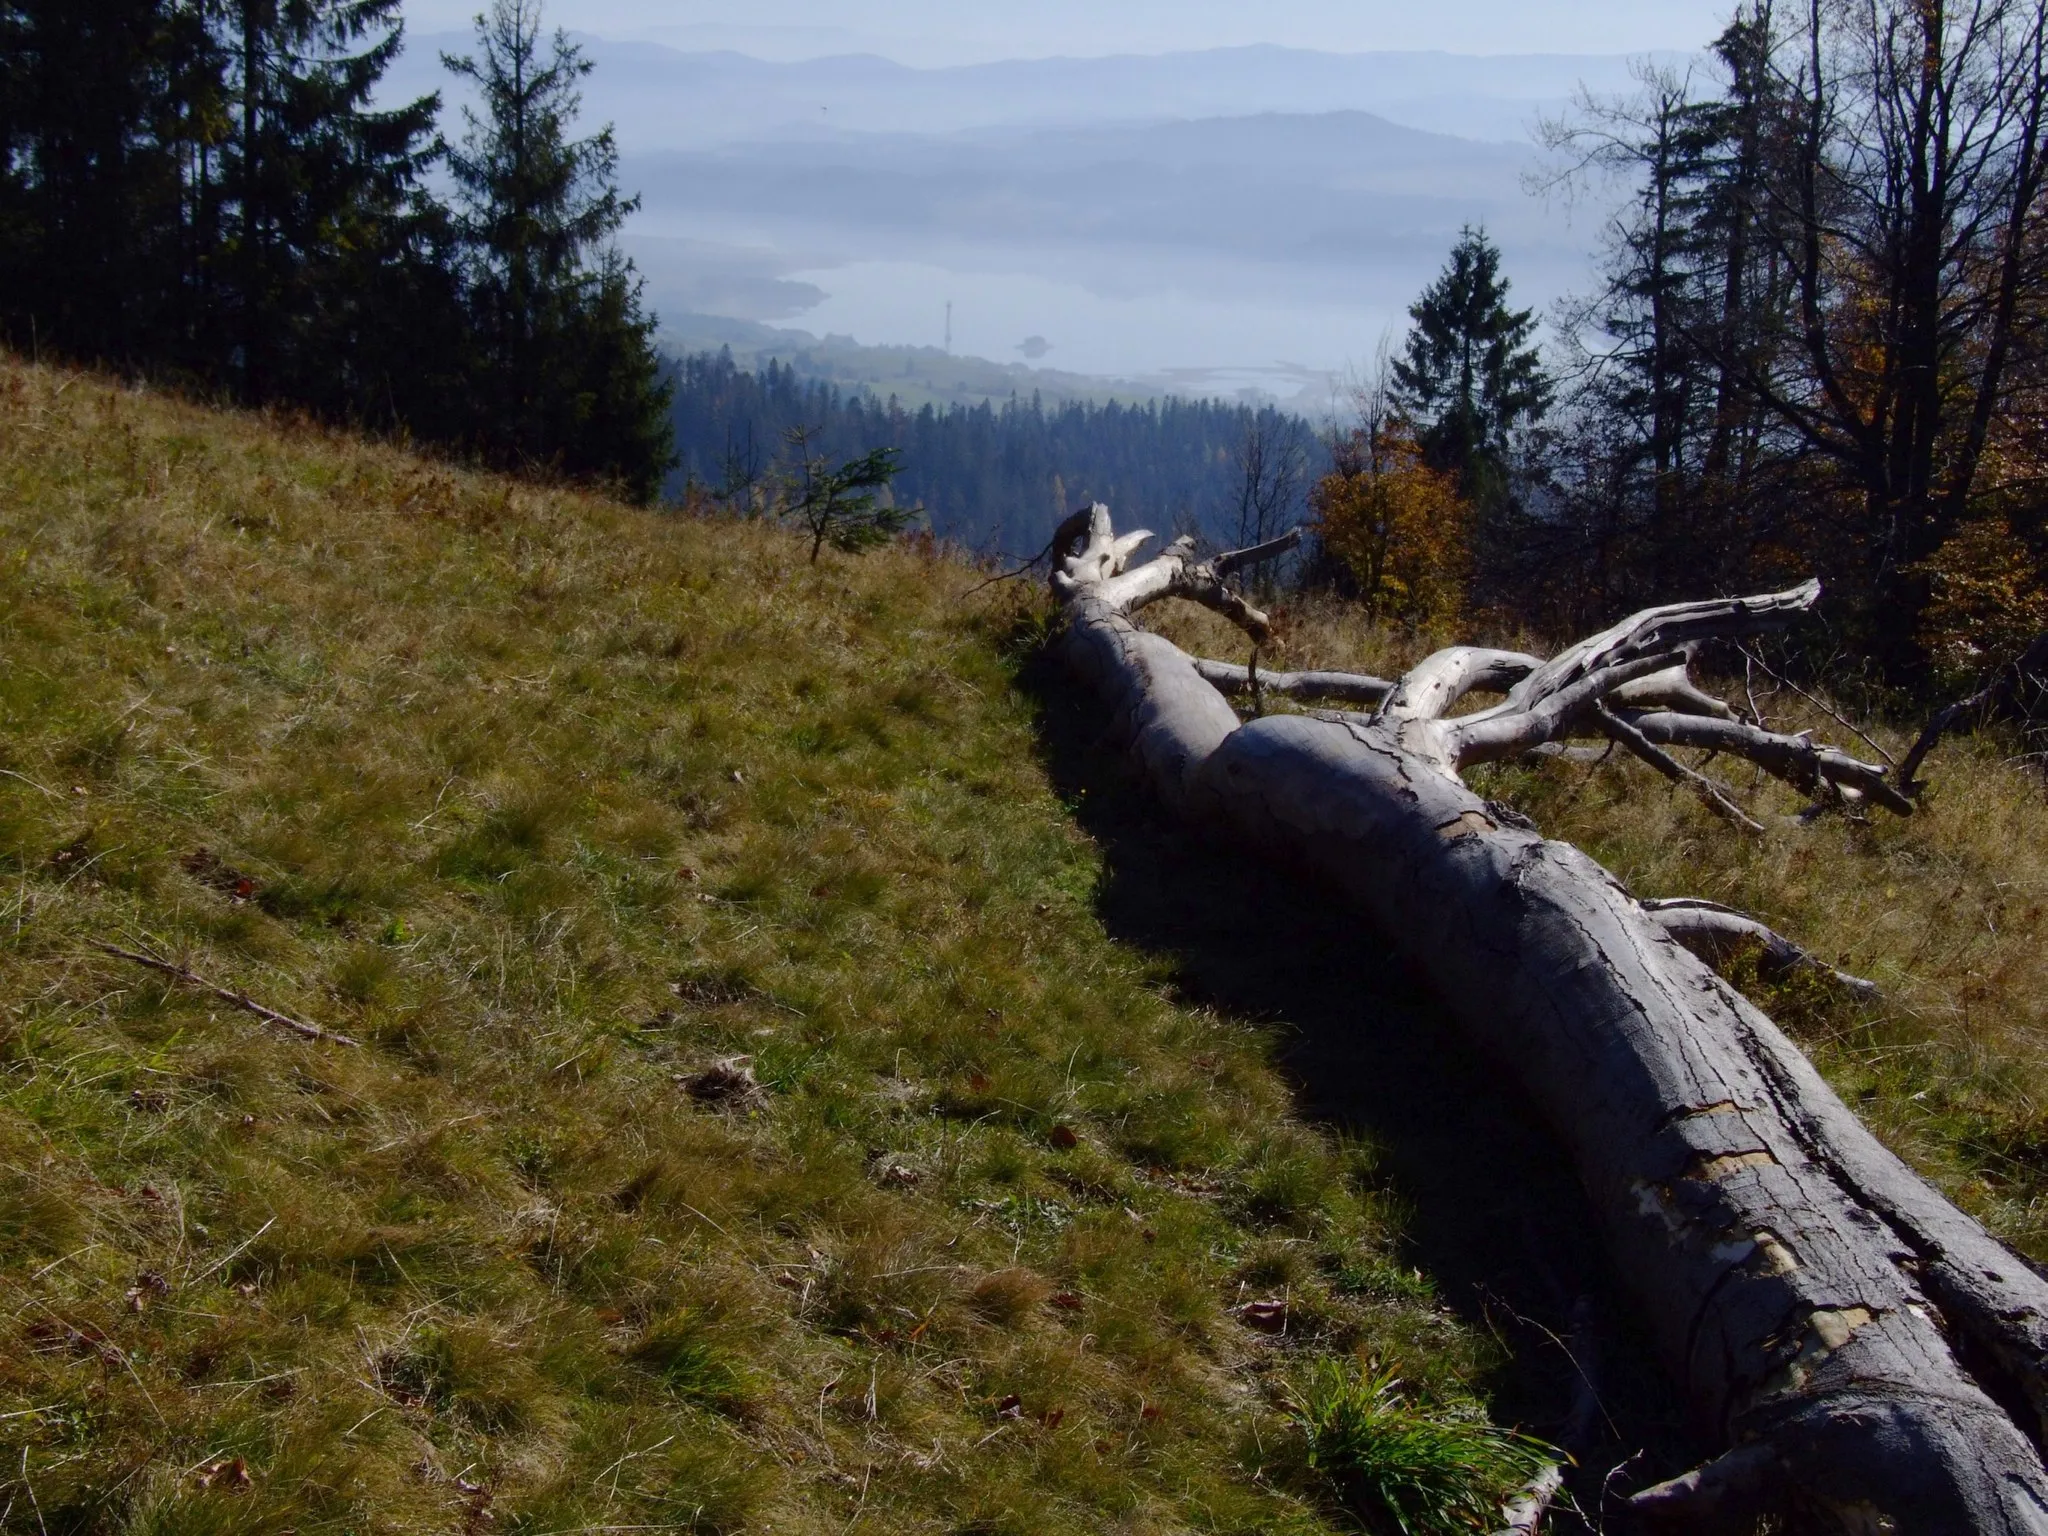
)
(959, 31)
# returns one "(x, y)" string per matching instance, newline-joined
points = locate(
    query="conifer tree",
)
(1468, 376)
(327, 211)
(94, 97)
(847, 505)
(568, 376)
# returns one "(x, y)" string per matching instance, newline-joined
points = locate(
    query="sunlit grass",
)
(1404, 1467)
(564, 810)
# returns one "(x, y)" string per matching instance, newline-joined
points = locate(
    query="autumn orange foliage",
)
(1397, 525)
(1987, 601)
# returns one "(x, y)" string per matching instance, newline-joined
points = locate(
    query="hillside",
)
(754, 1124)
(914, 376)
(798, 1088)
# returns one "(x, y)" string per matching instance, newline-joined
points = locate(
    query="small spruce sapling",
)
(847, 506)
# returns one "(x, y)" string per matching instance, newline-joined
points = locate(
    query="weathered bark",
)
(1830, 1318)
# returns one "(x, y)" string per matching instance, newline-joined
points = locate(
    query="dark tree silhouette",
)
(568, 368)
(1468, 375)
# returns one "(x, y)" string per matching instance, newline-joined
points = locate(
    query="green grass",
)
(1399, 1465)
(567, 811)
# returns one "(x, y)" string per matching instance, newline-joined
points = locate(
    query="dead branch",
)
(1716, 933)
(1434, 686)
(2005, 693)
(1818, 703)
(1671, 689)
(1525, 1511)
(1829, 1316)
(1716, 798)
(1798, 760)
(1231, 680)
(240, 1000)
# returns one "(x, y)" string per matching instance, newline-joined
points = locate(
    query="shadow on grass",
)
(1497, 1218)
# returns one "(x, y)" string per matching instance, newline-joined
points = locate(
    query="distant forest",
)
(999, 477)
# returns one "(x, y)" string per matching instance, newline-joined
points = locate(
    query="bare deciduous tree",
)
(1272, 475)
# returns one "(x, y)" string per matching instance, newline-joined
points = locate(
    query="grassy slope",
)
(1946, 910)
(556, 806)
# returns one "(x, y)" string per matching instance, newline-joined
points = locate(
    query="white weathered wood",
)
(1232, 679)
(1822, 1310)
(1714, 933)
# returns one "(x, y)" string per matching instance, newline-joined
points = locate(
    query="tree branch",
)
(1429, 689)
(1715, 797)
(2032, 667)
(1344, 687)
(1101, 569)
(1715, 933)
(1798, 760)
(240, 1000)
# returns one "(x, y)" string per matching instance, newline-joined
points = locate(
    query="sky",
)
(939, 32)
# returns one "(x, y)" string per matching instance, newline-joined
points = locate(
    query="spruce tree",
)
(567, 373)
(1468, 376)
(96, 99)
(330, 253)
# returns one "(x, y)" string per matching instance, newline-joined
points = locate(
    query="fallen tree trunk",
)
(1837, 1325)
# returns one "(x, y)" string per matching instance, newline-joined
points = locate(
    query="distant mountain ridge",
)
(1207, 221)
(663, 97)
(1290, 188)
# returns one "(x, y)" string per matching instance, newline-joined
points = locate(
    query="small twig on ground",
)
(240, 1000)
(1756, 714)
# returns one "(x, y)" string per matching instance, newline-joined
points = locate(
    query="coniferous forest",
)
(206, 192)
(1817, 340)
(998, 477)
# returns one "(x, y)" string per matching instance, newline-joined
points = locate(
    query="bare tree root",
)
(1840, 1327)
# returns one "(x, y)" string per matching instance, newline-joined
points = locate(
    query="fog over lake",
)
(1205, 222)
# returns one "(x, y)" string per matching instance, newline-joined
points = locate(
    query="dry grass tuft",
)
(574, 815)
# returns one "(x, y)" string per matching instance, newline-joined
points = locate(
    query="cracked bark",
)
(1846, 1333)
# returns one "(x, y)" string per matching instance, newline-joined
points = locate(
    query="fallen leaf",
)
(224, 1474)
(1268, 1316)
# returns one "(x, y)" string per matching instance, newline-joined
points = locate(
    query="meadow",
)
(794, 1087)
(751, 1125)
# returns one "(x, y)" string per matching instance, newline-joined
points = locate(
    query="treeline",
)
(1820, 343)
(998, 477)
(206, 191)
